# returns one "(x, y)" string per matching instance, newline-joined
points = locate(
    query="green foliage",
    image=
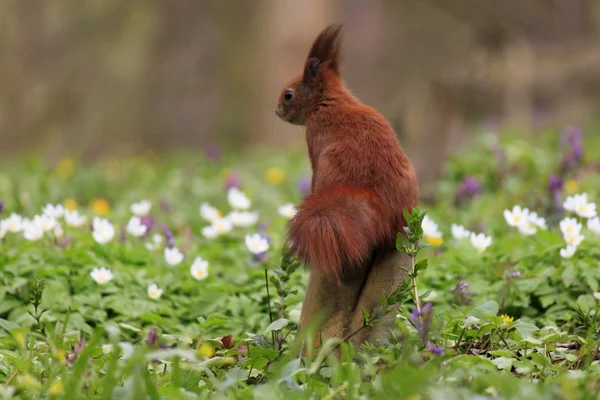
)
(515, 320)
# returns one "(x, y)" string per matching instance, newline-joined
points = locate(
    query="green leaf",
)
(525, 329)
(366, 317)
(586, 302)
(277, 325)
(489, 308)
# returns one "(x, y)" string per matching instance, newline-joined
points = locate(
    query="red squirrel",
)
(362, 180)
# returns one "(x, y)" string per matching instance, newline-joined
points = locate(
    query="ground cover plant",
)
(165, 278)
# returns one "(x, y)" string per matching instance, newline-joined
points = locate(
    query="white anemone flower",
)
(173, 256)
(154, 292)
(135, 227)
(210, 232)
(243, 218)
(32, 231)
(103, 230)
(141, 208)
(579, 204)
(73, 218)
(257, 244)
(568, 252)
(58, 231)
(101, 275)
(459, 232)
(238, 199)
(209, 212)
(593, 225)
(574, 239)
(570, 226)
(46, 222)
(14, 223)
(287, 210)
(480, 241)
(517, 216)
(199, 269)
(54, 211)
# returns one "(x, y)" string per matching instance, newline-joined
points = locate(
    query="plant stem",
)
(269, 306)
(414, 280)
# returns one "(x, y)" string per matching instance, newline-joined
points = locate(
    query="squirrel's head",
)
(305, 93)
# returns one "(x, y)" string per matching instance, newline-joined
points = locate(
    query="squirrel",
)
(362, 179)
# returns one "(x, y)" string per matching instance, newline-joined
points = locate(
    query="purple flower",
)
(1, 206)
(232, 181)
(152, 337)
(469, 188)
(263, 227)
(571, 140)
(148, 222)
(555, 188)
(213, 153)
(461, 294)
(421, 320)
(438, 351)
(515, 274)
(169, 237)
(304, 186)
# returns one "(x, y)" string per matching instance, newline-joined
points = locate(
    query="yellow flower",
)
(56, 388)
(435, 241)
(70, 204)
(100, 206)
(507, 319)
(571, 186)
(65, 167)
(60, 356)
(206, 350)
(275, 176)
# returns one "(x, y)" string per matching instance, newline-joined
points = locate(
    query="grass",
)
(515, 320)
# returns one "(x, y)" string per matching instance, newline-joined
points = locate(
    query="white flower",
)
(58, 231)
(210, 232)
(209, 212)
(574, 239)
(219, 226)
(287, 210)
(257, 244)
(593, 225)
(135, 227)
(101, 275)
(54, 211)
(568, 252)
(32, 231)
(46, 222)
(238, 199)
(104, 231)
(142, 208)
(579, 204)
(459, 232)
(539, 222)
(14, 223)
(73, 218)
(570, 226)
(527, 228)
(430, 228)
(173, 256)
(156, 241)
(517, 216)
(107, 348)
(154, 292)
(243, 218)
(199, 269)
(480, 241)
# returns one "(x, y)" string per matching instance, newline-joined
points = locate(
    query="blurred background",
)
(97, 78)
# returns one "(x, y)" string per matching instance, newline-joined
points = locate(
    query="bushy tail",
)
(337, 228)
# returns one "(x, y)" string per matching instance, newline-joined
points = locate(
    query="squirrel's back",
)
(362, 180)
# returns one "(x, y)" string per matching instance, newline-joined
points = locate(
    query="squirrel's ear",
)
(325, 52)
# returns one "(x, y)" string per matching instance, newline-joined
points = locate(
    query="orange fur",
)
(362, 180)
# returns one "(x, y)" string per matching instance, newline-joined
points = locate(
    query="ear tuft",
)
(327, 47)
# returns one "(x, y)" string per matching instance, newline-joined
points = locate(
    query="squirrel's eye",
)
(288, 95)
